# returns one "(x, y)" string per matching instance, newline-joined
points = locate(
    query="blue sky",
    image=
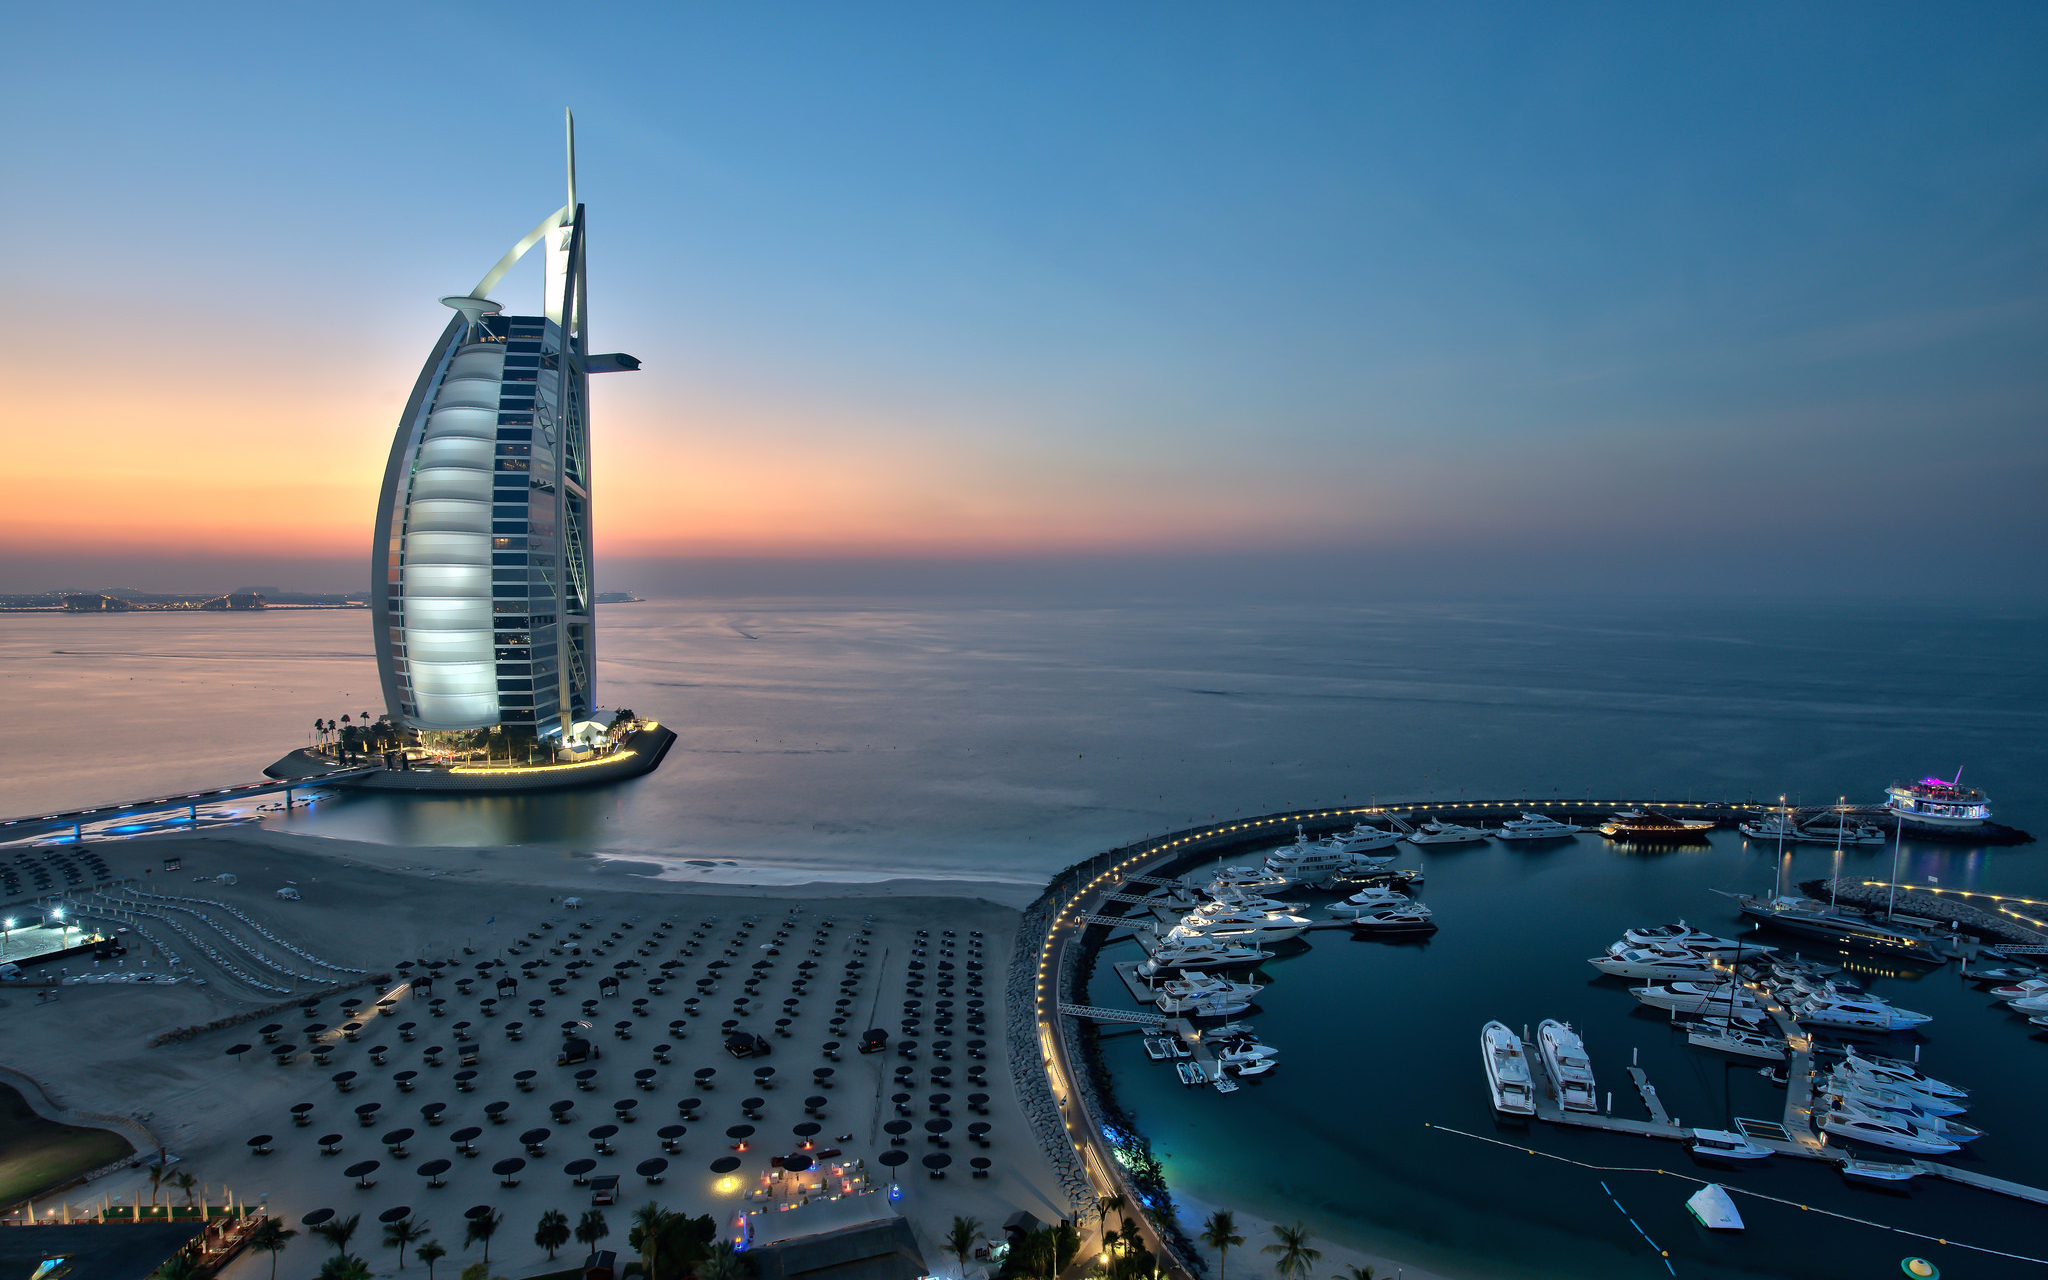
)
(1596, 289)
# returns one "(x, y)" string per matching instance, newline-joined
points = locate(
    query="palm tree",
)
(482, 1227)
(338, 1231)
(1355, 1272)
(591, 1228)
(405, 1231)
(1290, 1245)
(552, 1232)
(960, 1241)
(345, 1266)
(649, 1220)
(430, 1253)
(271, 1237)
(184, 1181)
(1219, 1232)
(724, 1264)
(1117, 1204)
(157, 1173)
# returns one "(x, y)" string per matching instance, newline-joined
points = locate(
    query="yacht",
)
(1684, 935)
(1724, 1036)
(1564, 1056)
(1894, 1132)
(1658, 962)
(1253, 879)
(1844, 927)
(1364, 839)
(1169, 958)
(1536, 826)
(1880, 1173)
(1856, 1015)
(1943, 806)
(1871, 1096)
(2029, 989)
(1507, 1071)
(1777, 825)
(1369, 900)
(1643, 827)
(1900, 1074)
(1242, 928)
(1839, 829)
(1698, 998)
(1434, 832)
(1201, 1006)
(1713, 1208)
(1394, 921)
(1304, 862)
(1724, 1146)
(1246, 1057)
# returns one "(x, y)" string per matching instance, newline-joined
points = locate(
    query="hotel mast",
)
(483, 528)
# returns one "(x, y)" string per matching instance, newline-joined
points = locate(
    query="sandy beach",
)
(374, 908)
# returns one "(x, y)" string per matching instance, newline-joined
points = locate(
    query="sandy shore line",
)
(1248, 1260)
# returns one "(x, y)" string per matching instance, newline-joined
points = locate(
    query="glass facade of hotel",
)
(483, 546)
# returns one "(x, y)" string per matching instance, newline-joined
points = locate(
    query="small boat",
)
(1317, 862)
(1724, 1037)
(1848, 1080)
(1643, 827)
(2025, 989)
(1724, 1146)
(1776, 825)
(1367, 901)
(1392, 922)
(1536, 826)
(1170, 958)
(1190, 1073)
(2001, 973)
(1507, 1071)
(1156, 1049)
(1224, 1084)
(1435, 832)
(1880, 1173)
(1714, 1208)
(1564, 1057)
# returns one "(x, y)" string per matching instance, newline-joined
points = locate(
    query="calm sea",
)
(837, 741)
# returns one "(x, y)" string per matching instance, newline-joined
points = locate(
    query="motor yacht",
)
(1394, 921)
(1724, 1036)
(1725, 1146)
(1507, 1071)
(2032, 1006)
(1253, 879)
(2024, 990)
(1201, 1006)
(1772, 826)
(1434, 832)
(1643, 827)
(1170, 958)
(1699, 999)
(1684, 935)
(1948, 1128)
(1242, 928)
(1318, 862)
(1880, 1173)
(1659, 962)
(1845, 927)
(1871, 1096)
(1157, 1049)
(1536, 826)
(1364, 839)
(1894, 1132)
(1899, 1073)
(1941, 805)
(1564, 1057)
(1869, 1014)
(1838, 829)
(1370, 900)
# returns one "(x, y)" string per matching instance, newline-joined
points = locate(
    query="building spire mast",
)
(569, 123)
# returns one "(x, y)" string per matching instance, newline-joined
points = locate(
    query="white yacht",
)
(2032, 1006)
(1393, 921)
(1943, 805)
(2027, 989)
(1727, 1147)
(1772, 826)
(1205, 994)
(1871, 1096)
(1242, 928)
(1901, 1074)
(1306, 862)
(1659, 962)
(1895, 1132)
(1254, 879)
(1364, 839)
(1839, 829)
(1169, 958)
(1684, 935)
(1564, 1056)
(1700, 999)
(1434, 832)
(1727, 1037)
(1536, 826)
(1507, 1071)
(1370, 900)
(1868, 1014)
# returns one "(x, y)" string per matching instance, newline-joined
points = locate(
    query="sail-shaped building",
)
(481, 566)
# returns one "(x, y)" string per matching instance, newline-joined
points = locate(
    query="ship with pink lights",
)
(1943, 804)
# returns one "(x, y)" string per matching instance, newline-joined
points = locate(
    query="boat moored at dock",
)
(1536, 826)
(1507, 1071)
(1564, 1057)
(1938, 804)
(1725, 1146)
(1640, 826)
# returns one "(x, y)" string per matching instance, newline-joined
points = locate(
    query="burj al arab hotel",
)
(482, 546)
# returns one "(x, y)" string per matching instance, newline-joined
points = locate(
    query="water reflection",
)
(555, 817)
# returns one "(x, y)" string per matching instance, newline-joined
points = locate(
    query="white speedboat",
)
(1247, 1058)
(2026, 990)
(1434, 832)
(1902, 1074)
(2032, 1006)
(1867, 1014)
(1659, 962)
(1394, 921)
(1714, 1208)
(1895, 1132)
(1564, 1057)
(1507, 1071)
(1536, 826)
(1366, 901)
(1727, 1037)
(1880, 1173)
(1724, 1146)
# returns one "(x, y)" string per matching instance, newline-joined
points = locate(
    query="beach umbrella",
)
(433, 1169)
(496, 1111)
(669, 1135)
(578, 1170)
(396, 1213)
(652, 1169)
(269, 1031)
(524, 1079)
(302, 1112)
(432, 1112)
(645, 1076)
(396, 1138)
(796, 1163)
(808, 1129)
(937, 1162)
(404, 1079)
(725, 1164)
(703, 1076)
(688, 1107)
(316, 1217)
(464, 1136)
(938, 1128)
(751, 1107)
(893, 1158)
(623, 1108)
(740, 1132)
(979, 1102)
(260, 1144)
(896, 1129)
(939, 1100)
(981, 1166)
(823, 1075)
(814, 1104)
(508, 1170)
(535, 1141)
(476, 1211)
(237, 1050)
(978, 1130)
(329, 1143)
(602, 1135)
(361, 1171)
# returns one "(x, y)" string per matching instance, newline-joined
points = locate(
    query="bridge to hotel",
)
(20, 828)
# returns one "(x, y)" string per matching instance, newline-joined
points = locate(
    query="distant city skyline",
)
(1472, 298)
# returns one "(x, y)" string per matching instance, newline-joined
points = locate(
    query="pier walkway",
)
(18, 828)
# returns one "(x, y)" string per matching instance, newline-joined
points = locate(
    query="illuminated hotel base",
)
(639, 754)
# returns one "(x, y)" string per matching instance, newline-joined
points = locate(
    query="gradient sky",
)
(1612, 288)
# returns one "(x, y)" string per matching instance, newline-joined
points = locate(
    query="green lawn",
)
(38, 1154)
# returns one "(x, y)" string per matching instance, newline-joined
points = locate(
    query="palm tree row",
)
(1294, 1258)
